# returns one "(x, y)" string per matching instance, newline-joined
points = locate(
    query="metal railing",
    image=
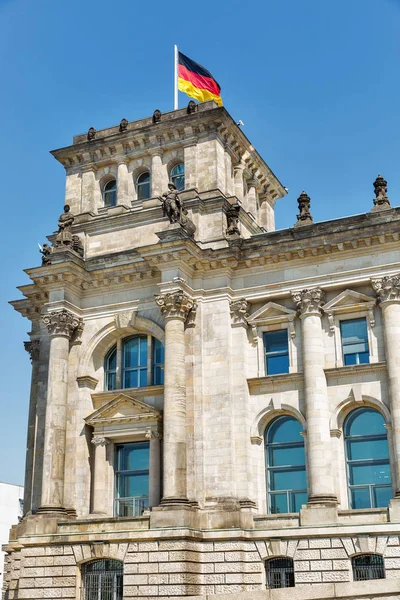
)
(131, 507)
(280, 573)
(368, 566)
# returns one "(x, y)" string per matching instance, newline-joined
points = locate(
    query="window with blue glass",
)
(285, 466)
(354, 341)
(143, 186)
(131, 479)
(177, 176)
(110, 193)
(367, 457)
(139, 363)
(276, 349)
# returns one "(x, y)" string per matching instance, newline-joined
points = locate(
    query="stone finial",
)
(33, 347)
(91, 134)
(175, 305)
(381, 201)
(304, 217)
(309, 301)
(98, 440)
(191, 107)
(63, 323)
(123, 126)
(232, 217)
(157, 116)
(240, 311)
(387, 288)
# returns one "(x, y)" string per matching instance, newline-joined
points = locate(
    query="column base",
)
(52, 510)
(323, 499)
(174, 501)
(319, 513)
(173, 514)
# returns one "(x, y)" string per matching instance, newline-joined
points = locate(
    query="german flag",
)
(196, 81)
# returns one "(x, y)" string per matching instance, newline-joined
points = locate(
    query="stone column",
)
(123, 183)
(88, 189)
(159, 175)
(252, 197)
(154, 468)
(238, 177)
(99, 476)
(388, 292)
(318, 441)
(175, 307)
(62, 325)
(33, 347)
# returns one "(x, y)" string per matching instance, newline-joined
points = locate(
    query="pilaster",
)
(33, 347)
(100, 444)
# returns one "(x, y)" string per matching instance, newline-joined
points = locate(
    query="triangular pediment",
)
(271, 312)
(349, 300)
(121, 408)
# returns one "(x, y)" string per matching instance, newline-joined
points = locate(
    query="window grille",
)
(368, 566)
(102, 580)
(280, 573)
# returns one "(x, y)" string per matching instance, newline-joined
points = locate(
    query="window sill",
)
(356, 369)
(258, 384)
(278, 521)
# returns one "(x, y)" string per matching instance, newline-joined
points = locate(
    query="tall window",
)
(177, 176)
(276, 352)
(132, 479)
(143, 186)
(354, 341)
(280, 573)
(110, 193)
(102, 580)
(286, 470)
(141, 363)
(367, 455)
(368, 566)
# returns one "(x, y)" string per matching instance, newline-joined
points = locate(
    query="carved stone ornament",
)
(191, 107)
(33, 347)
(240, 311)
(175, 305)
(100, 441)
(304, 217)
(388, 288)
(232, 217)
(157, 116)
(91, 134)
(123, 126)
(381, 200)
(64, 233)
(77, 245)
(174, 209)
(152, 434)
(46, 252)
(309, 301)
(63, 323)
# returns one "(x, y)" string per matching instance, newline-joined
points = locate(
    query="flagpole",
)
(175, 77)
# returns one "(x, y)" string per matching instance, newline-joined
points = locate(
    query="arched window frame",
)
(154, 366)
(279, 572)
(271, 470)
(366, 569)
(109, 194)
(176, 177)
(139, 186)
(352, 414)
(102, 576)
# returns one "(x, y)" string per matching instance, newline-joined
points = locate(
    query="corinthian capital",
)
(63, 323)
(176, 305)
(387, 288)
(33, 347)
(309, 301)
(239, 311)
(100, 441)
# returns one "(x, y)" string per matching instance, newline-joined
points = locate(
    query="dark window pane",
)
(361, 474)
(143, 377)
(365, 422)
(279, 457)
(278, 504)
(367, 449)
(285, 429)
(355, 341)
(277, 365)
(288, 480)
(131, 352)
(297, 500)
(360, 498)
(382, 496)
(158, 376)
(133, 486)
(111, 381)
(131, 379)
(276, 341)
(177, 176)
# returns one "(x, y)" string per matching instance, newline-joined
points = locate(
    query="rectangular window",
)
(158, 362)
(354, 341)
(276, 352)
(131, 479)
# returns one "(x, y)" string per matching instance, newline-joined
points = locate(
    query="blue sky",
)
(316, 84)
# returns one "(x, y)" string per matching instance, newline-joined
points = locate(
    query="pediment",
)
(122, 408)
(271, 313)
(347, 301)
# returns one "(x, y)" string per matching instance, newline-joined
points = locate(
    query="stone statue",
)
(123, 126)
(77, 245)
(381, 201)
(191, 107)
(64, 233)
(91, 134)
(46, 252)
(232, 217)
(175, 211)
(304, 217)
(157, 116)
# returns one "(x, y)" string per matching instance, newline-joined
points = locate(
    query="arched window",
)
(102, 579)
(285, 466)
(141, 363)
(177, 176)
(280, 573)
(368, 566)
(367, 457)
(143, 186)
(110, 193)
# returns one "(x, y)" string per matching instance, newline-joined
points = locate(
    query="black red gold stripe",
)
(196, 81)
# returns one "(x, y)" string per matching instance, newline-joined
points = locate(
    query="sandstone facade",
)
(206, 527)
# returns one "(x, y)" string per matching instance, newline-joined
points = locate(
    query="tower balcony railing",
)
(131, 507)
